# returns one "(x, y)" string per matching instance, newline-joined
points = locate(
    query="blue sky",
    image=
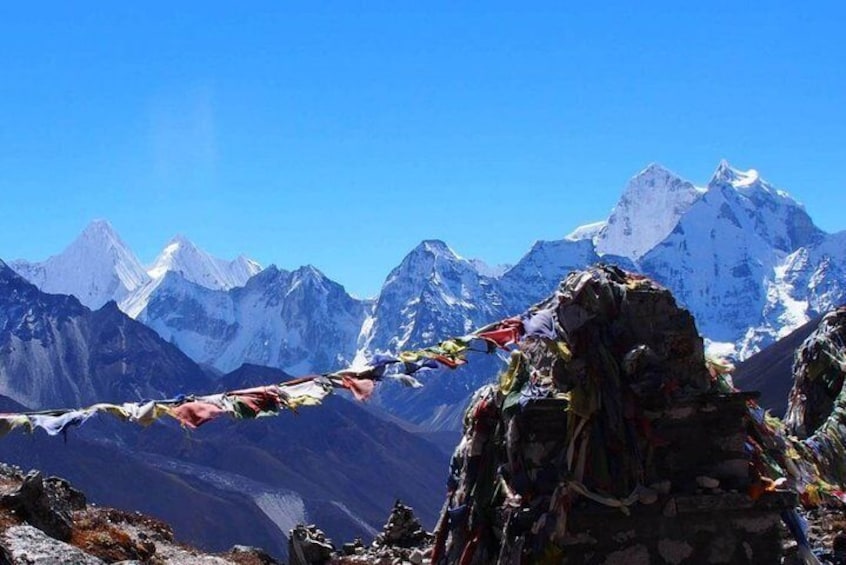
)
(342, 134)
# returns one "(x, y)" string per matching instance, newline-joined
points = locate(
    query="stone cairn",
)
(612, 443)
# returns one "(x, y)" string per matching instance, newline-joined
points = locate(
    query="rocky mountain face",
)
(55, 352)
(299, 321)
(431, 295)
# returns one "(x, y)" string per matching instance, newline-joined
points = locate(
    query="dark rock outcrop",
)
(55, 352)
(47, 508)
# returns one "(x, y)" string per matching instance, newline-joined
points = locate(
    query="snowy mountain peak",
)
(96, 267)
(308, 273)
(169, 256)
(749, 183)
(655, 170)
(180, 255)
(727, 174)
(99, 235)
(429, 258)
(244, 267)
(100, 230)
(270, 276)
(652, 204)
(435, 247)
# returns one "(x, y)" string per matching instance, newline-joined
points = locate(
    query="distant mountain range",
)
(337, 464)
(743, 256)
(98, 267)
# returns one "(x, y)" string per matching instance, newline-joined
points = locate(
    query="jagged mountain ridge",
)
(740, 254)
(98, 267)
(300, 321)
(743, 256)
(180, 255)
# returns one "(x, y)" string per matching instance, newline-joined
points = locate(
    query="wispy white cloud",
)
(183, 134)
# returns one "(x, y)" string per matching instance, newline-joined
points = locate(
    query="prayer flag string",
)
(193, 411)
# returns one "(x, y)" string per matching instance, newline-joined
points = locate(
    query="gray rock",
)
(26, 545)
(309, 546)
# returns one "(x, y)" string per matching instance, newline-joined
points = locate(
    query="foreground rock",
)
(44, 521)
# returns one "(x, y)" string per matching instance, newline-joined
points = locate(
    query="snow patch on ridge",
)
(587, 231)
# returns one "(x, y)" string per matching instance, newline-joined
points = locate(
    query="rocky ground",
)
(44, 521)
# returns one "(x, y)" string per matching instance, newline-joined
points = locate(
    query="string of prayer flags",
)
(192, 411)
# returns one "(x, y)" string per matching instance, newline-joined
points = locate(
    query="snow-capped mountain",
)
(433, 294)
(735, 252)
(95, 268)
(98, 266)
(181, 256)
(723, 256)
(299, 321)
(433, 290)
(807, 283)
(651, 206)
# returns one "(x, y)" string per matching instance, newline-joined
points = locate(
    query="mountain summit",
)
(181, 256)
(652, 204)
(97, 267)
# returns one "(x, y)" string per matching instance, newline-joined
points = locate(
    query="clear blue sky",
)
(341, 134)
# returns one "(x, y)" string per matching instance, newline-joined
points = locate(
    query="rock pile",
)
(402, 530)
(609, 443)
(402, 540)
